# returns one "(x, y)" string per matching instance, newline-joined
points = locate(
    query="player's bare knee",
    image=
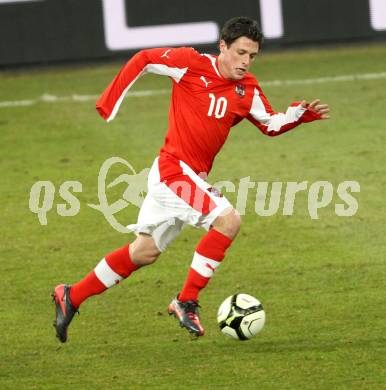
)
(234, 223)
(149, 257)
(145, 256)
(228, 223)
(143, 250)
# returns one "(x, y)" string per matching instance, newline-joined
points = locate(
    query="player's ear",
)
(222, 45)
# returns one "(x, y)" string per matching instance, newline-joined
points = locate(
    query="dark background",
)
(52, 31)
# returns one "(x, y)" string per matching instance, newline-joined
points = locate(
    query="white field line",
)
(322, 80)
(46, 98)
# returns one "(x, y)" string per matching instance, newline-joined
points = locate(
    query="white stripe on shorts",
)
(106, 275)
(203, 265)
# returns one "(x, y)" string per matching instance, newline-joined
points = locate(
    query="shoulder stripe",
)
(161, 69)
(213, 62)
(175, 73)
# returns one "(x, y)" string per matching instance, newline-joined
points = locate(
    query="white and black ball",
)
(241, 316)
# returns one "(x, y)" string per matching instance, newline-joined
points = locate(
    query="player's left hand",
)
(316, 107)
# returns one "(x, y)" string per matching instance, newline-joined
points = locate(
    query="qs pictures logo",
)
(267, 198)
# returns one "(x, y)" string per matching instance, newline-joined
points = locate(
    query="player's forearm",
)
(276, 123)
(280, 123)
(110, 100)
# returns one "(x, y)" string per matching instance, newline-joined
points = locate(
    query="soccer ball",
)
(241, 316)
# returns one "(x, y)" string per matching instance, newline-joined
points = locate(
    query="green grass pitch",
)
(322, 282)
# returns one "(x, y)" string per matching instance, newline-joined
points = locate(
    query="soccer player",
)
(210, 94)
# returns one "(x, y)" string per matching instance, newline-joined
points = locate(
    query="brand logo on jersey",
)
(240, 90)
(166, 53)
(202, 78)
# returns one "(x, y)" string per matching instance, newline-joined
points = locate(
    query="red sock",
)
(209, 253)
(109, 272)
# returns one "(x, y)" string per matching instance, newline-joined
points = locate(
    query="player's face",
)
(235, 59)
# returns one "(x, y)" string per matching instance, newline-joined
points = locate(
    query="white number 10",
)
(221, 106)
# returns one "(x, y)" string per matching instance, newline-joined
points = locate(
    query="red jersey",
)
(204, 105)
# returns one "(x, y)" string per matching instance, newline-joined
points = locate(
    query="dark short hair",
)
(241, 26)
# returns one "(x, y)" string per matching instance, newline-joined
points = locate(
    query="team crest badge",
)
(214, 191)
(240, 90)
